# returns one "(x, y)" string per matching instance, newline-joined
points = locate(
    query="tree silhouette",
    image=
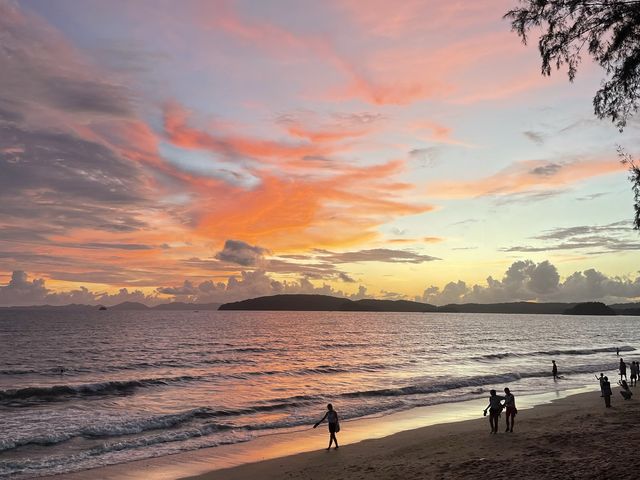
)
(634, 177)
(609, 30)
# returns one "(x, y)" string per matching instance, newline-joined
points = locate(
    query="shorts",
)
(511, 411)
(332, 427)
(495, 412)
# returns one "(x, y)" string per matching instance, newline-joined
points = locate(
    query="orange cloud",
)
(300, 212)
(182, 135)
(526, 175)
(322, 136)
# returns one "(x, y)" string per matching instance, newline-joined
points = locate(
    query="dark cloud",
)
(596, 239)
(108, 246)
(425, 157)
(345, 278)
(186, 289)
(592, 196)
(53, 180)
(546, 170)
(241, 253)
(82, 96)
(527, 197)
(362, 118)
(374, 255)
(40, 71)
(535, 137)
(569, 232)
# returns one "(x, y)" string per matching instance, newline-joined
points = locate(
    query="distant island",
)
(302, 302)
(124, 306)
(326, 303)
(590, 308)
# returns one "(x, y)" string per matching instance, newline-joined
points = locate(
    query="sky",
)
(211, 151)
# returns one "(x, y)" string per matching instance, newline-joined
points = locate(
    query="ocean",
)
(135, 385)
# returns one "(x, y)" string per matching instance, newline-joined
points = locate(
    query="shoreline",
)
(267, 455)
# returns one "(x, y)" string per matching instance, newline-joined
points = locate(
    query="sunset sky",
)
(216, 150)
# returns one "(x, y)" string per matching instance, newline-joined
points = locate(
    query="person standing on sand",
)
(623, 369)
(634, 373)
(495, 407)
(510, 405)
(554, 370)
(606, 392)
(334, 425)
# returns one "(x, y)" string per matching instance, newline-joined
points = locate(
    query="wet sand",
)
(572, 438)
(569, 438)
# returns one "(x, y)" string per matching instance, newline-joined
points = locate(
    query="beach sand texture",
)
(573, 438)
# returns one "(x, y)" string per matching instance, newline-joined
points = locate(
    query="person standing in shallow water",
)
(510, 405)
(334, 425)
(554, 370)
(494, 407)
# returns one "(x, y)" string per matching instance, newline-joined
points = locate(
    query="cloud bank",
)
(537, 282)
(524, 280)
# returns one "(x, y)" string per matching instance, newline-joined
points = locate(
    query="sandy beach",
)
(569, 438)
(574, 437)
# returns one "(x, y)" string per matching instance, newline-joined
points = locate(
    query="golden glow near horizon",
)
(214, 151)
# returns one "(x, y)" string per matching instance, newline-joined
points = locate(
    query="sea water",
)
(86, 389)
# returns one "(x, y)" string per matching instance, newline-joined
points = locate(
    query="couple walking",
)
(495, 408)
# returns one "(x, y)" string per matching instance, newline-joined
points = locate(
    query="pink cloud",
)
(526, 175)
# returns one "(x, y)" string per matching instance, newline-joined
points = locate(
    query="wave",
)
(128, 427)
(248, 350)
(55, 392)
(583, 351)
(34, 467)
(319, 370)
(18, 372)
(499, 379)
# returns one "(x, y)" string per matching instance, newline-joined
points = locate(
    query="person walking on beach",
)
(634, 373)
(601, 380)
(606, 392)
(495, 407)
(623, 369)
(554, 370)
(334, 425)
(624, 390)
(511, 410)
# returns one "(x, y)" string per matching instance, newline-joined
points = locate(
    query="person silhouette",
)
(624, 390)
(634, 373)
(606, 392)
(511, 410)
(334, 425)
(554, 370)
(495, 407)
(623, 369)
